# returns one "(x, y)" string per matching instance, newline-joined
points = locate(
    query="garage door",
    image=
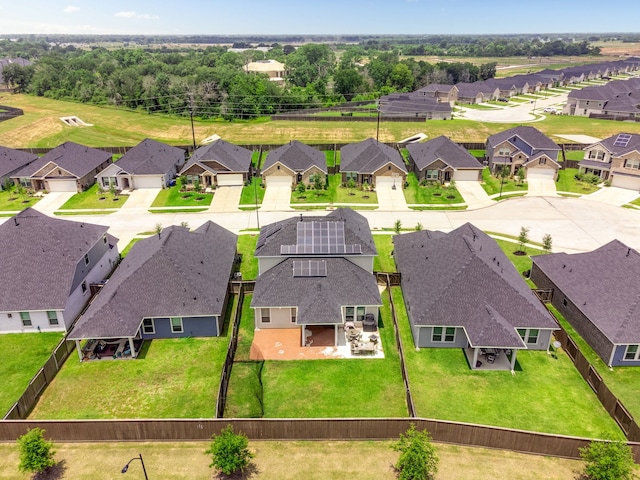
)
(623, 181)
(390, 181)
(155, 181)
(542, 173)
(466, 175)
(230, 179)
(279, 180)
(61, 185)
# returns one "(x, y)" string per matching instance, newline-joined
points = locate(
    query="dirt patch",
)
(32, 132)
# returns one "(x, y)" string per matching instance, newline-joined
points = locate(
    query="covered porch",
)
(108, 348)
(491, 358)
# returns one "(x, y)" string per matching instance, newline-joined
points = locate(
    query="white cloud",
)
(130, 14)
(71, 9)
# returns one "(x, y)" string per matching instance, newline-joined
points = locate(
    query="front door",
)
(447, 176)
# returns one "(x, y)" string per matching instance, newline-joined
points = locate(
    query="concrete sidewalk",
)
(613, 196)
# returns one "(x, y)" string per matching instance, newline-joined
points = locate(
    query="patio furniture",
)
(369, 323)
(363, 347)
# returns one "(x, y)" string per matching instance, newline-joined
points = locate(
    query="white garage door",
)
(230, 179)
(384, 180)
(623, 181)
(62, 185)
(466, 175)
(542, 173)
(155, 181)
(279, 180)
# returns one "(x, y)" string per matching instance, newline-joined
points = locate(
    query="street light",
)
(139, 457)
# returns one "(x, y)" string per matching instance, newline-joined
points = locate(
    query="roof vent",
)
(628, 252)
(15, 220)
(300, 217)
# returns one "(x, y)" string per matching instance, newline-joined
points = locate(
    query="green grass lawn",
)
(91, 199)
(173, 197)
(545, 395)
(567, 182)
(333, 157)
(247, 247)
(491, 184)
(12, 202)
(427, 195)
(172, 378)
(384, 262)
(573, 155)
(21, 356)
(250, 192)
(346, 195)
(255, 159)
(318, 196)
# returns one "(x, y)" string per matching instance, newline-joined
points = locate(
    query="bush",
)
(36, 454)
(418, 459)
(229, 451)
(591, 178)
(607, 461)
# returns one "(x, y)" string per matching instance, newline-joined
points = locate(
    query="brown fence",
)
(44, 377)
(317, 118)
(619, 118)
(391, 279)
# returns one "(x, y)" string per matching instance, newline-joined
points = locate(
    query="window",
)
(529, 335)
(148, 326)
(351, 176)
(26, 319)
(504, 152)
(542, 161)
(86, 259)
(634, 164)
(564, 301)
(431, 175)
(176, 325)
(443, 334)
(265, 315)
(349, 314)
(84, 287)
(53, 318)
(360, 314)
(104, 239)
(293, 315)
(25, 182)
(632, 352)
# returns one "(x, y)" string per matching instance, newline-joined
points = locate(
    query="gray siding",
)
(95, 254)
(424, 339)
(192, 327)
(618, 358)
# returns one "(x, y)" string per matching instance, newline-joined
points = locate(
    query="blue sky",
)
(316, 17)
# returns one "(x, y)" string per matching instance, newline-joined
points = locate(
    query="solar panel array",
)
(309, 268)
(318, 238)
(622, 140)
(266, 232)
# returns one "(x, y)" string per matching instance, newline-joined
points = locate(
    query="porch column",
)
(79, 349)
(335, 339)
(303, 340)
(475, 359)
(134, 354)
(514, 352)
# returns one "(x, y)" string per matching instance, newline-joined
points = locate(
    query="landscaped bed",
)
(430, 194)
(13, 202)
(334, 193)
(93, 199)
(491, 184)
(173, 197)
(567, 182)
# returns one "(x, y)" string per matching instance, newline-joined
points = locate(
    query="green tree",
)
(158, 229)
(347, 82)
(401, 78)
(229, 451)
(36, 453)
(523, 238)
(520, 174)
(608, 461)
(418, 227)
(487, 70)
(9, 186)
(547, 243)
(397, 227)
(351, 185)
(301, 188)
(318, 183)
(418, 458)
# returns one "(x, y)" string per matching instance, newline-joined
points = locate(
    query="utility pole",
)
(193, 131)
(378, 124)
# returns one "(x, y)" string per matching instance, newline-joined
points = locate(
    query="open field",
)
(289, 461)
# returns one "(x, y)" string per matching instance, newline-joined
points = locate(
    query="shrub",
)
(579, 176)
(36, 454)
(591, 178)
(607, 461)
(229, 451)
(418, 459)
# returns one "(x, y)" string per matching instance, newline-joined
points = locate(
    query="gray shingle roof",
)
(532, 136)
(594, 164)
(603, 284)
(38, 259)
(72, 157)
(356, 231)
(368, 156)
(234, 158)
(441, 148)
(150, 157)
(619, 150)
(182, 273)
(12, 160)
(296, 156)
(464, 279)
(319, 299)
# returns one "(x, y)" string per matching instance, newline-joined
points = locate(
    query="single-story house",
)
(69, 167)
(219, 164)
(616, 158)
(11, 161)
(597, 293)
(170, 285)
(293, 163)
(371, 162)
(47, 268)
(442, 160)
(150, 164)
(461, 291)
(273, 69)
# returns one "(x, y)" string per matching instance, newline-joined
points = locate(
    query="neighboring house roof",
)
(296, 156)
(463, 279)
(594, 164)
(12, 160)
(536, 156)
(38, 259)
(619, 144)
(76, 159)
(179, 273)
(319, 299)
(603, 285)
(275, 235)
(441, 148)
(264, 66)
(410, 104)
(150, 157)
(232, 157)
(530, 135)
(436, 87)
(8, 61)
(368, 157)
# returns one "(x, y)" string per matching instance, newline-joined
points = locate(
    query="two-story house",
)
(616, 158)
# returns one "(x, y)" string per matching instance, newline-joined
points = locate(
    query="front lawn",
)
(93, 199)
(567, 182)
(173, 197)
(253, 191)
(384, 261)
(12, 202)
(546, 394)
(21, 356)
(434, 193)
(246, 248)
(491, 184)
(311, 195)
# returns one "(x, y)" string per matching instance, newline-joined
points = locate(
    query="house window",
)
(634, 164)
(431, 175)
(564, 301)
(504, 152)
(443, 334)
(351, 176)
(104, 239)
(84, 287)
(348, 314)
(86, 259)
(530, 335)
(191, 179)
(53, 318)
(26, 319)
(176, 325)
(632, 352)
(148, 326)
(293, 315)
(25, 182)
(542, 161)
(265, 315)
(360, 314)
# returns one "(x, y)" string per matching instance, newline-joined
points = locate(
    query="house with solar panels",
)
(616, 158)
(316, 275)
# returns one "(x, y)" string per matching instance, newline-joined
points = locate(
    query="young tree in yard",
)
(113, 191)
(158, 229)
(418, 459)
(547, 243)
(181, 181)
(520, 174)
(196, 185)
(418, 227)
(301, 188)
(607, 461)
(351, 184)
(397, 227)
(36, 454)
(10, 187)
(318, 184)
(523, 239)
(229, 451)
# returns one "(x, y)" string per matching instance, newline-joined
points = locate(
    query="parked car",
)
(550, 110)
(503, 99)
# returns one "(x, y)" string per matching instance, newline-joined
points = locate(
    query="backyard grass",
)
(173, 197)
(333, 157)
(21, 356)
(567, 182)
(491, 184)
(12, 202)
(91, 199)
(246, 248)
(415, 193)
(384, 261)
(573, 155)
(250, 192)
(546, 394)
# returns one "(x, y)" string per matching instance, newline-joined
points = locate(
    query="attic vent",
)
(628, 252)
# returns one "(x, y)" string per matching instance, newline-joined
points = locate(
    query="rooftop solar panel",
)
(622, 140)
(309, 268)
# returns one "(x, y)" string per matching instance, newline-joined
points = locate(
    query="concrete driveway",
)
(541, 187)
(519, 113)
(52, 201)
(389, 199)
(226, 199)
(473, 194)
(139, 200)
(613, 196)
(277, 197)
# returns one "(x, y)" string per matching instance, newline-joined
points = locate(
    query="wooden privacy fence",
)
(44, 377)
(7, 113)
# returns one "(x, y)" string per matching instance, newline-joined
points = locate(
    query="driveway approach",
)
(525, 112)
